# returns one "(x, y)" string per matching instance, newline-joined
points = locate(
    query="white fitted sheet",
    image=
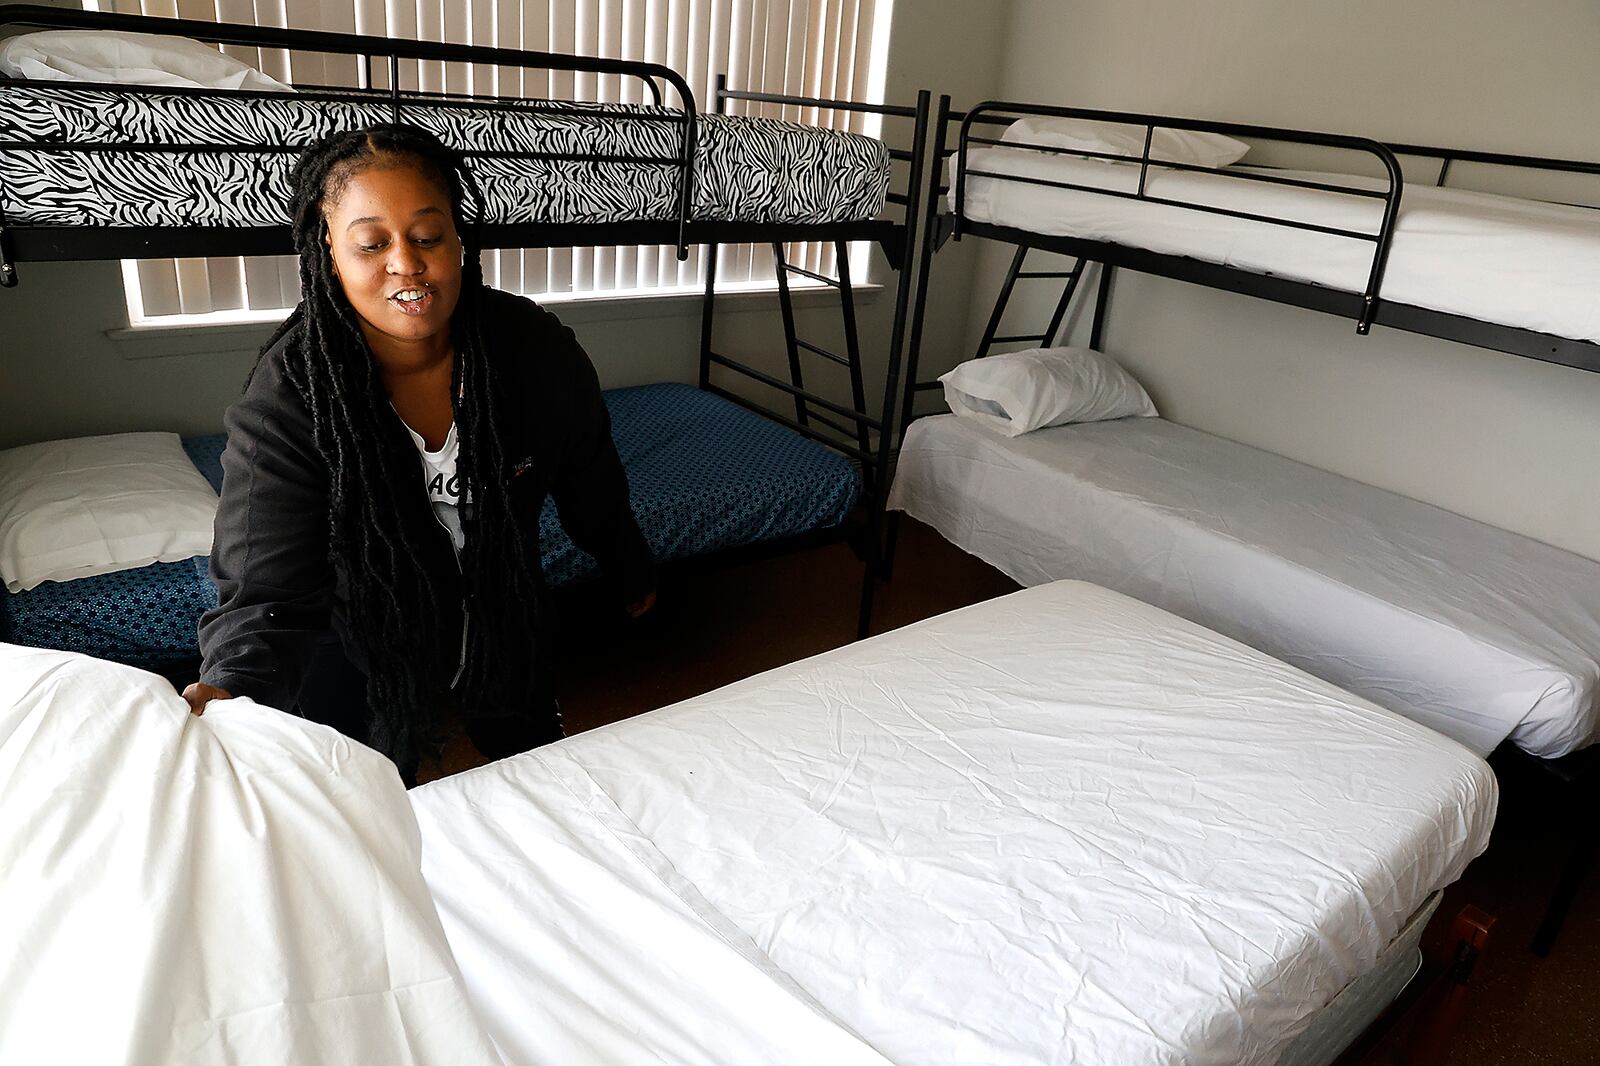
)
(1061, 826)
(1477, 632)
(1499, 259)
(238, 888)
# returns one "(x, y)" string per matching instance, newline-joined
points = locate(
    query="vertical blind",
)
(817, 48)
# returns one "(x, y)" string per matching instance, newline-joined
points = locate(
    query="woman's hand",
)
(200, 694)
(637, 609)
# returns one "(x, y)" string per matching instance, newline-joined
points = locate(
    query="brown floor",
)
(730, 624)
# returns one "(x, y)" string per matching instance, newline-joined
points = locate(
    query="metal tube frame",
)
(1367, 308)
(928, 241)
(990, 110)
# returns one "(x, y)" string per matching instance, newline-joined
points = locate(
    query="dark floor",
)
(730, 624)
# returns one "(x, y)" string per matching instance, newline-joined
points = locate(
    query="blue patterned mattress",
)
(705, 474)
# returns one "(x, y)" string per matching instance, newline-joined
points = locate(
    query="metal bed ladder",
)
(1014, 274)
(847, 429)
(851, 360)
(815, 416)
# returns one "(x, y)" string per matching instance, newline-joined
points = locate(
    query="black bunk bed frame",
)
(856, 430)
(1574, 777)
(1367, 308)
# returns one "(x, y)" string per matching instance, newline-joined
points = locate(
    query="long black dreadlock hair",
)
(402, 615)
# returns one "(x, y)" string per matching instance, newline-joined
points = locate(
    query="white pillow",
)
(128, 59)
(1166, 145)
(1023, 391)
(95, 505)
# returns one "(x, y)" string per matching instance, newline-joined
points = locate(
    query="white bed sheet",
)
(1475, 631)
(1061, 826)
(1500, 259)
(238, 888)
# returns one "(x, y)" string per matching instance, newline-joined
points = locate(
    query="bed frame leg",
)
(891, 537)
(1579, 860)
(1440, 1014)
(869, 589)
(8, 268)
(1102, 304)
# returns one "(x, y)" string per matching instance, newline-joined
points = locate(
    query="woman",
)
(367, 586)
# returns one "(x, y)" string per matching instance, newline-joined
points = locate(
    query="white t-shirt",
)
(448, 496)
(443, 484)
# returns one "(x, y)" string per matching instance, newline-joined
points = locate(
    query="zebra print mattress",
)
(747, 169)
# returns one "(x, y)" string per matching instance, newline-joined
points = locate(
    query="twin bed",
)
(1479, 633)
(704, 476)
(1061, 826)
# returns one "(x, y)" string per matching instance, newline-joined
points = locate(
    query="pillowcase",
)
(1090, 135)
(1019, 392)
(128, 59)
(95, 505)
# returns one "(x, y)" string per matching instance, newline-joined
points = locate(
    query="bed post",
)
(926, 244)
(8, 268)
(708, 306)
(891, 386)
(930, 193)
(707, 314)
(1102, 301)
(1573, 871)
(852, 346)
(394, 89)
(1577, 782)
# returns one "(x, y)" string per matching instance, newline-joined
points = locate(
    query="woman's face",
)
(396, 251)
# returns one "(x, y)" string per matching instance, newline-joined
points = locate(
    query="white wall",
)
(1506, 440)
(63, 372)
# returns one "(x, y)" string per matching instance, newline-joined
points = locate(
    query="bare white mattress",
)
(1058, 827)
(1475, 631)
(1502, 259)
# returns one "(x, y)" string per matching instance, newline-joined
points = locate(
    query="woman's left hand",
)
(638, 609)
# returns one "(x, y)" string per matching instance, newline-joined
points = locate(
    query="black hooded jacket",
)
(270, 561)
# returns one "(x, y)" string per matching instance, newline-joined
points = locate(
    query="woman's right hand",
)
(199, 694)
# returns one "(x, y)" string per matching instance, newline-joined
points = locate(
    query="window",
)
(822, 48)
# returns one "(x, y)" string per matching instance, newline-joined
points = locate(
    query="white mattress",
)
(1474, 631)
(1500, 259)
(238, 888)
(1061, 826)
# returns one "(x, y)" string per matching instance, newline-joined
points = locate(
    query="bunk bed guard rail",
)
(366, 49)
(1003, 113)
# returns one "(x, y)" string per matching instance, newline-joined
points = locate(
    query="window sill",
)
(161, 339)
